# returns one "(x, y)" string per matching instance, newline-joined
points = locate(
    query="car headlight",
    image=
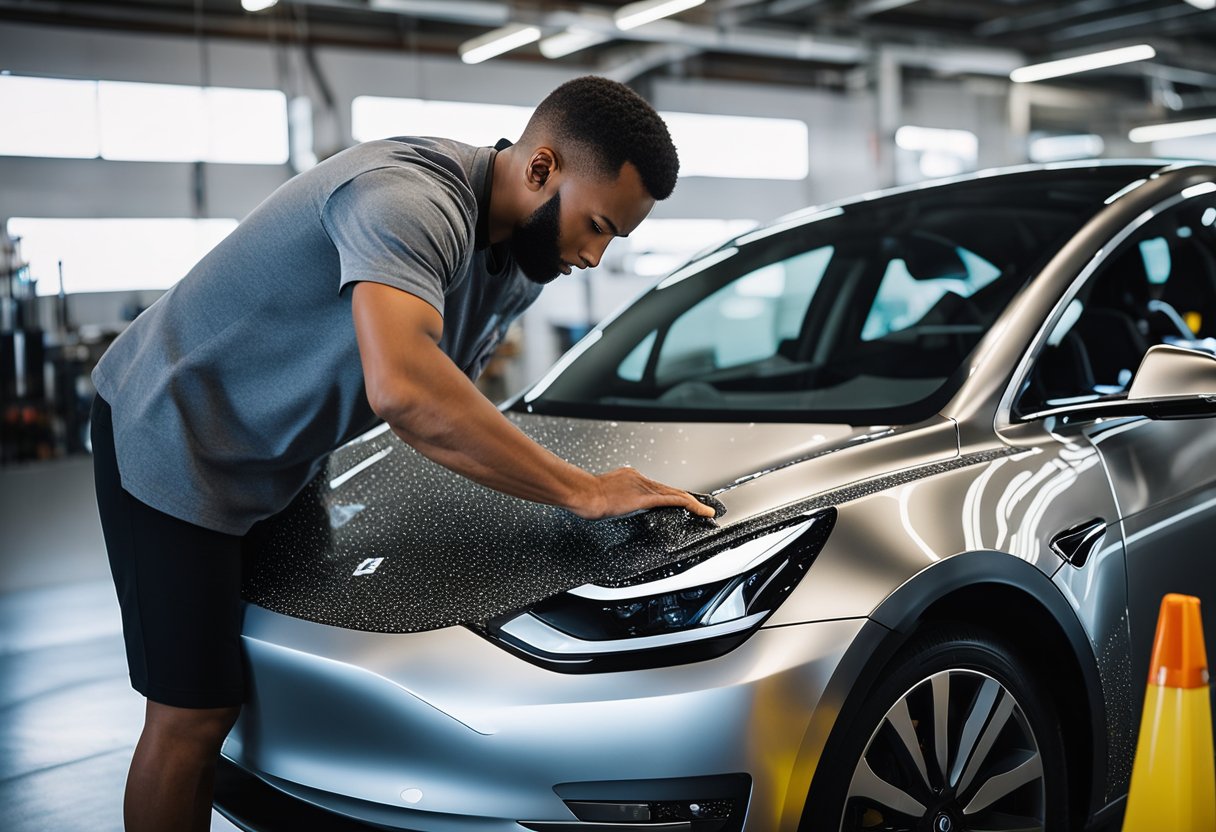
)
(691, 610)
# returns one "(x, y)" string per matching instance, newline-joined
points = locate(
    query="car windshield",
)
(861, 314)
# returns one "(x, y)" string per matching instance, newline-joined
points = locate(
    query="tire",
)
(882, 768)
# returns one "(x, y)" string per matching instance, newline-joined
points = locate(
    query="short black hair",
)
(609, 124)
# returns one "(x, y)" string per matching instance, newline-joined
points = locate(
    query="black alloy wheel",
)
(954, 737)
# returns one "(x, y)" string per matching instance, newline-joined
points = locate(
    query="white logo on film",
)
(368, 566)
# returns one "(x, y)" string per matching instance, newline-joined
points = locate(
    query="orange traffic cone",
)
(1173, 782)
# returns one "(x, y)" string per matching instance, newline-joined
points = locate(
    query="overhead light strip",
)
(492, 44)
(1172, 130)
(1083, 63)
(570, 41)
(634, 15)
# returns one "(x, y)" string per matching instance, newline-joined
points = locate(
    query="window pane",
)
(699, 138)
(928, 152)
(703, 142)
(1158, 288)
(373, 117)
(105, 255)
(246, 126)
(174, 123)
(659, 246)
(745, 321)
(903, 300)
(152, 122)
(634, 365)
(48, 117)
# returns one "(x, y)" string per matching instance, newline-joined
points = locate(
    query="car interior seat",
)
(1114, 325)
(1063, 371)
(1190, 292)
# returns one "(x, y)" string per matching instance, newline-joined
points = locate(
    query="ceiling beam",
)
(1045, 19)
(865, 8)
(743, 40)
(1122, 23)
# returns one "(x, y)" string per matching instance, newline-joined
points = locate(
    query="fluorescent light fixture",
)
(492, 44)
(638, 14)
(1172, 130)
(257, 5)
(1205, 5)
(570, 41)
(1083, 63)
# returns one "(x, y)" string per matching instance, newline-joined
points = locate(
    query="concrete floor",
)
(68, 716)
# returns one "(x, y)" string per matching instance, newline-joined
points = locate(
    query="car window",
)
(902, 300)
(863, 314)
(1158, 288)
(745, 321)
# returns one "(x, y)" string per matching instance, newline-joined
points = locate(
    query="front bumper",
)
(443, 731)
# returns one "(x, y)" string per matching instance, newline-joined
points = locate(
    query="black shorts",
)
(179, 586)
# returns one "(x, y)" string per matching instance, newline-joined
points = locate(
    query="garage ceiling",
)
(822, 43)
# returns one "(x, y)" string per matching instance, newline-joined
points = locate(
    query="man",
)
(373, 286)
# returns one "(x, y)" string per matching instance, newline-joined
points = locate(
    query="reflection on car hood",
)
(386, 540)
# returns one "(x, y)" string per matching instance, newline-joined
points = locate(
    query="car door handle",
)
(1077, 543)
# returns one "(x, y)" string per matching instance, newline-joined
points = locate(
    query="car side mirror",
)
(1170, 383)
(1181, 381)
(1173, 371)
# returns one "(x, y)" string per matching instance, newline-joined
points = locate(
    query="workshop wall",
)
(843, 159)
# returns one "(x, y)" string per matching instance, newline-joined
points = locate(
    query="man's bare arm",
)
(432, 405)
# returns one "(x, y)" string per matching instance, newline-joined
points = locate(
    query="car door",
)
(1156, 287)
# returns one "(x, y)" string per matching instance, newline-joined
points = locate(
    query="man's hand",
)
(430, 404)
(625, 490)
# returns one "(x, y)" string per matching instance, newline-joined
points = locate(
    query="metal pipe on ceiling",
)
(743, 40)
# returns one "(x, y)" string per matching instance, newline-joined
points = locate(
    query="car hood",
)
(386, 540)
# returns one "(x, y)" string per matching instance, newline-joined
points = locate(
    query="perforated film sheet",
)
(403, 545)
(388, 541)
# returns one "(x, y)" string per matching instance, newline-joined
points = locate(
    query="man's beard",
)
(534, 245)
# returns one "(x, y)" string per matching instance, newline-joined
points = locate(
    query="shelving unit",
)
(41, 411)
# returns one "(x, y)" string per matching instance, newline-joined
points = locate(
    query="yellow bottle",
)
(1173, 782)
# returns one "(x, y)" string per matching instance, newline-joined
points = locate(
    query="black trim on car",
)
(253, 805)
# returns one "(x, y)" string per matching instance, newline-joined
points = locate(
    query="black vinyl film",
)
(406, 545)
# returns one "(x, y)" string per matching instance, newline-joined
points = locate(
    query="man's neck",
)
(502, 212)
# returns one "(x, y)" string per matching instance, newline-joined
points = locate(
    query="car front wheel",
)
(954, 737)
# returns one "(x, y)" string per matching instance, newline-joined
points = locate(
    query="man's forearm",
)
(453, 424)
(430, 404)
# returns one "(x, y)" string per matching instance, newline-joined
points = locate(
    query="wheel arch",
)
(1017, 602)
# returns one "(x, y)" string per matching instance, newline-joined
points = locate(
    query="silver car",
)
(961, 438)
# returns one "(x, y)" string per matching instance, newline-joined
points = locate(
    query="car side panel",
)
(1011, 499)
(1165, 481)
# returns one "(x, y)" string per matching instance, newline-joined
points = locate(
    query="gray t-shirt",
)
(229, 391)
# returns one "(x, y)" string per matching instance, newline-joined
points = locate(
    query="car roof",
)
(1115, 168)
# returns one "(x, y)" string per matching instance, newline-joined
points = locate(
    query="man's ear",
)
(541, 165)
